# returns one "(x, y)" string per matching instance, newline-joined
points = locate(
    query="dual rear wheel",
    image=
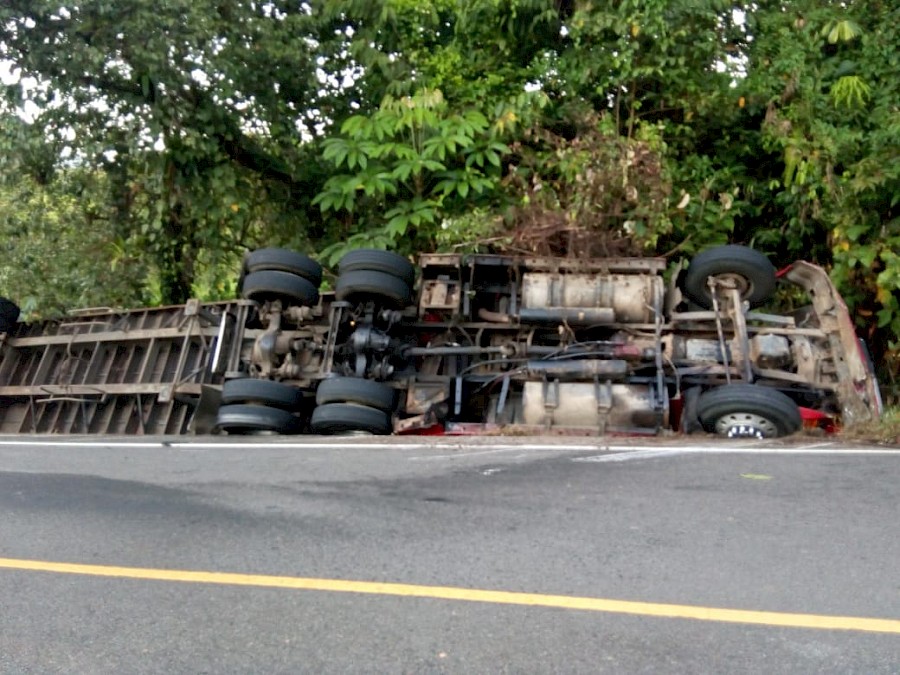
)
(365, 275)
(271, 274)
(259, 406)
(348, 405)
(371, 275)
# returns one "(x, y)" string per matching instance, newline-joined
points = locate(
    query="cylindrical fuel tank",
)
(601, 407)
(633, 297)
(580, 369)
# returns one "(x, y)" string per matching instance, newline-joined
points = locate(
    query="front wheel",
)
(749, 270)
(748, 411)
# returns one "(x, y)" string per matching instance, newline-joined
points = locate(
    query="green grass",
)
(885, 430)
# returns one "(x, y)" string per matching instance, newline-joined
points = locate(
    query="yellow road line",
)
(816, 621)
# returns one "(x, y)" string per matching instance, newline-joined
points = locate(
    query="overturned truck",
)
(456, 344)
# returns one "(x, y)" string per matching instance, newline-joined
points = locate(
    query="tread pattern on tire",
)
(337, 418)
(264, 392)
(356, 390)
(359, 285)
(9, 315)
(730, 259)
(378, 261)
(237, 418)
(766, 402)
(268, 285)
(284, 260)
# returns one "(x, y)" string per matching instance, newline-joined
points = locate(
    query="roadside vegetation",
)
(885, 431)
(161, 140)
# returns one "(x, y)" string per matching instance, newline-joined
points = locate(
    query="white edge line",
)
(630, 456)
(186, 445)
(469, 451)
(647, 453)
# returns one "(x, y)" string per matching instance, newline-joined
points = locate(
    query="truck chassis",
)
(457, 344)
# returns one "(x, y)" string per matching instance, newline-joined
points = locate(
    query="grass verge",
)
(885, 431)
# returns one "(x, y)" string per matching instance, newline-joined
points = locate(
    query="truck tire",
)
(243, 419)
(378, 261)
(748, 411)
(752, 272)
(284, 260)
(9, 315)
(356, 390)
(343, 418)
(268, 285)
(262, 392)
(362, 285)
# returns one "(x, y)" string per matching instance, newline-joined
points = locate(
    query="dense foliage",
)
(163, 139)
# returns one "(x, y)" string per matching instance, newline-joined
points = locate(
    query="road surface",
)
(443, 556)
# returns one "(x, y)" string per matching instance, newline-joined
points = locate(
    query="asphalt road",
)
(495, 556)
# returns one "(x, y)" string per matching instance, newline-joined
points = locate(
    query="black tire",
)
(269, 285)
(749, 411)
(263, 392)
(356, 390)
(9, 315)
(342, 418)
(284, 260)
(361, 285)
(243, 419)
(378, 261)
(752, 271)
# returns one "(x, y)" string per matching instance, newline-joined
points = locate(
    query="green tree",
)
(666, 125)
(411, 165)
(822, 97)
(57, 232)
(196, 110)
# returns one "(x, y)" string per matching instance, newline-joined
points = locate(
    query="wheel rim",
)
(745, 425)
(740, 282)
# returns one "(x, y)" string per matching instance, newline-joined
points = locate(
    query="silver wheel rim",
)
(745, 425)
(741, 283)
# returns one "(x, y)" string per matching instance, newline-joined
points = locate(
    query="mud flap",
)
(207, 410)
(690, 422)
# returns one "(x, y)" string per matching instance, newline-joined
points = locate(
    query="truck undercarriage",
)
(457, 344)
